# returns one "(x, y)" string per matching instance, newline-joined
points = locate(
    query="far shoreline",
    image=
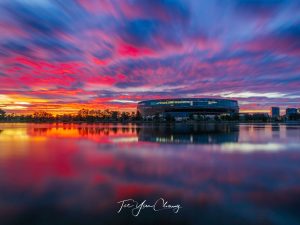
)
(150, 122)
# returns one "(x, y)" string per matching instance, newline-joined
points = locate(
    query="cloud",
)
(113, 53)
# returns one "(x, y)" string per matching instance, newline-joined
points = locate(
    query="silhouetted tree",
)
(2, 114)
(124, 116)
(138, 116)
(43, 116)
(115, 115)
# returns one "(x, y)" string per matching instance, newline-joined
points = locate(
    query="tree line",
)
(93, 116)
(83, 115)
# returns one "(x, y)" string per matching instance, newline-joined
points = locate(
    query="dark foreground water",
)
(218, 173)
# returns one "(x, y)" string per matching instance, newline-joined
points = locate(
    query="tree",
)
(83, 113)
(138, 116)
(125, 116)
(115, 115)
(43, 116)
(106, 114)
(2, 113)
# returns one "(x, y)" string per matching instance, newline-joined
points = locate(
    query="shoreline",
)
(153, 122)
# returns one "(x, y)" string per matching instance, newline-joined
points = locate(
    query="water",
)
(218, 173)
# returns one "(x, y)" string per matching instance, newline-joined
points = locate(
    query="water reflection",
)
(210, 133)
(75, 174)
(190, 133)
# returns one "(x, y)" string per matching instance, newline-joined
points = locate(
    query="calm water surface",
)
(52, 174)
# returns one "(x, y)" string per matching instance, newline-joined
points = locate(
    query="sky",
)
(65, 55)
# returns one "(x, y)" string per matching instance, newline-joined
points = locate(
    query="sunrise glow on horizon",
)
(62, 56)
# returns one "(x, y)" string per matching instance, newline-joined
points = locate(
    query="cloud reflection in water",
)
(77, 173)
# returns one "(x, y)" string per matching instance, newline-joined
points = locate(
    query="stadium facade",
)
(185, 107)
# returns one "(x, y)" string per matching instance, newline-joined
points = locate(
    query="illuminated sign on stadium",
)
(174, 102)
(179, 102)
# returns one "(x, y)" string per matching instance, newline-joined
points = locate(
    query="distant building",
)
(275, 112)
(291, 111)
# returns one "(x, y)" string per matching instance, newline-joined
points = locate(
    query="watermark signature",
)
(136, 207)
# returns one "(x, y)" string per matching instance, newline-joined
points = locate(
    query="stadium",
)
(185, 107)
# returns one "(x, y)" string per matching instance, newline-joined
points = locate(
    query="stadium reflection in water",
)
(219, 173)
(211, 133)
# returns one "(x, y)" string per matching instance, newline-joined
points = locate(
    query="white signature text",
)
(136, 207)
